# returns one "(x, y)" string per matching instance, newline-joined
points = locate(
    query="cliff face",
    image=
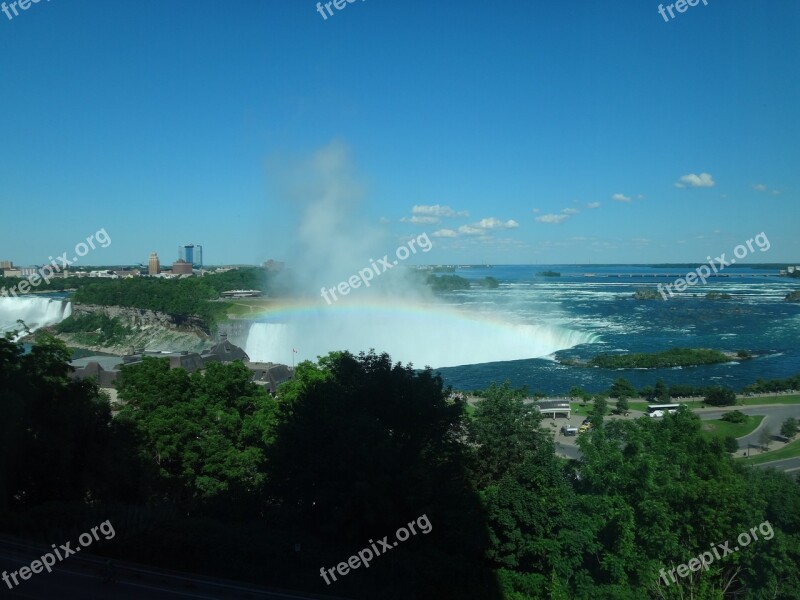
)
(142, 318)
(151, 330)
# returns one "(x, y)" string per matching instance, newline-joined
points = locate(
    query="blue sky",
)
(521, 131)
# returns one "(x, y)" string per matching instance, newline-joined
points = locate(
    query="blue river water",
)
(599, 300)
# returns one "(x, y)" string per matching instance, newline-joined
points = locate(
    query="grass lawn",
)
(721, 429)
(790, 450)
(580, 411)
(795, 399)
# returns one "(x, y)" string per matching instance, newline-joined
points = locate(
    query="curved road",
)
(774, 416)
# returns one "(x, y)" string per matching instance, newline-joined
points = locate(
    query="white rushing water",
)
(34, 311)
(423, 336)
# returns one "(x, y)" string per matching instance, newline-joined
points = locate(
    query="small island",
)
(647, 294)
(718, 296)
(549, 274)
(674, 357)
(447, 283)
(793, 296)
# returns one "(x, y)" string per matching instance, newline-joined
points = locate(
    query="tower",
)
(153, 265)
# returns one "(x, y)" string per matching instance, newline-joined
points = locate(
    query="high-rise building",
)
(153, 265)
(192, 254)
(181, 267)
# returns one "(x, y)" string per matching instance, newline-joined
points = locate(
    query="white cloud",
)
(570, 211)
(469, 230)
(776, 192)
(621, 198)
(420, 220)
(445, 233)
(593, 205)
(437, 210)
(536, 210)
(384, 220)
(760, 187)
(552, 218)
(695, 181)
(492, 223)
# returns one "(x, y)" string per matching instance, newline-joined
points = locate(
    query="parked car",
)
(657, 413)
(569, 430)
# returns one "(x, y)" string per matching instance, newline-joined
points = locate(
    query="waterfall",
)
(437, 338)
(34, 311)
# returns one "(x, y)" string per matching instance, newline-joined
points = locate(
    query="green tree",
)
(622, 405)
(363, 445)
(53, 430)
(734, 416)
(765, 438)
(789, 428)
(621, 388)
(660, 392)
(720, 396)
(731, 445)
(503, 431)
(204, 436)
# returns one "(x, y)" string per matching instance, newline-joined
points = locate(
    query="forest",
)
(206, 472)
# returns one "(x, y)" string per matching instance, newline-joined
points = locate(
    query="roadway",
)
(774, 416)
(81, 577)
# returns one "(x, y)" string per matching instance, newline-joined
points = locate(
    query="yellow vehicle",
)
(584, 427)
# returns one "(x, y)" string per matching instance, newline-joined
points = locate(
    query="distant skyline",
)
(514, 134)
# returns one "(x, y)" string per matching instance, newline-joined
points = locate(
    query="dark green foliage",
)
(362, 446)
(647, 294)
(182, 297)
(504, 430)
(789, 428)
(52, 428)
(447, 283)
(720, 396)
(621, 388)
(208, 473)
(674, 357)
(730, 443)
(105, 329)
(735, 416)
(773, 385)
(489, 282)
(203, 437)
